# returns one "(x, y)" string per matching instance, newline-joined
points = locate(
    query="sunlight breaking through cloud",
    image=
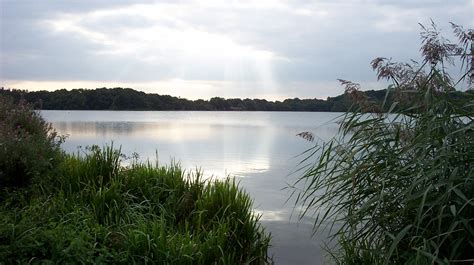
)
(262, 47)
(168, 39)
(165, 34)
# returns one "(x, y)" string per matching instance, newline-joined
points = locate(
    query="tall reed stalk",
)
(396, 185)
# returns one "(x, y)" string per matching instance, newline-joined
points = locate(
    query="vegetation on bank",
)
(89, 208)
(398, 187)
(28, 145)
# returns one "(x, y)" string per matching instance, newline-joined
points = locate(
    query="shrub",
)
(28, 145)
(398, 187)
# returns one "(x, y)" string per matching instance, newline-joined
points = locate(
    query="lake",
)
(259, 149)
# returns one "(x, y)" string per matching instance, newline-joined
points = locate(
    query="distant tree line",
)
(129, 99)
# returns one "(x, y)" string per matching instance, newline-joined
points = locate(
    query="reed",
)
(397, 187)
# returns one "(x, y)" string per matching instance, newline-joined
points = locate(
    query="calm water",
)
(259, 148)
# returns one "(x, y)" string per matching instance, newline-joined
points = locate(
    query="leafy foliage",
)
(28, 145)
(398, 187)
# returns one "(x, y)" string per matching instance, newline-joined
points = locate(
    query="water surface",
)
(259, 149)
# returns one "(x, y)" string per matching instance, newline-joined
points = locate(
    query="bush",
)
(398, 187)
(28, 145)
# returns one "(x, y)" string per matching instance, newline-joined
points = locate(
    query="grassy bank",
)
(89, 209)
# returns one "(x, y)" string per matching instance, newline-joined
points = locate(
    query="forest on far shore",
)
(130, 99)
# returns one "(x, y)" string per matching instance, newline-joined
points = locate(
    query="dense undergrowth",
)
(28, 145)
(88, 208)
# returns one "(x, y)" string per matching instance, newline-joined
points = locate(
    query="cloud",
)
(269, 45)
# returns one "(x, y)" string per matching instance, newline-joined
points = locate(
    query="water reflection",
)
(272, 215)
(220, 150)
(258, 148)
(111, 130)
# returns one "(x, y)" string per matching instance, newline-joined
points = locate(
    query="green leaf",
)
(453, 209)
(397, 240)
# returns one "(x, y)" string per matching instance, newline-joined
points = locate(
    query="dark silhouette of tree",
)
(129, 99)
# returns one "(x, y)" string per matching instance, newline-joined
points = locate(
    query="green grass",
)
(90, 209)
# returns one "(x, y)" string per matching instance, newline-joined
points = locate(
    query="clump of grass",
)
(398, 187)
(93, 210)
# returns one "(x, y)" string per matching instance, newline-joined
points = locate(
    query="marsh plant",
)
(396, 185)
(90, 209)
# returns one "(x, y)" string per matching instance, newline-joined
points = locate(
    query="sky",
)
(201, 49)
